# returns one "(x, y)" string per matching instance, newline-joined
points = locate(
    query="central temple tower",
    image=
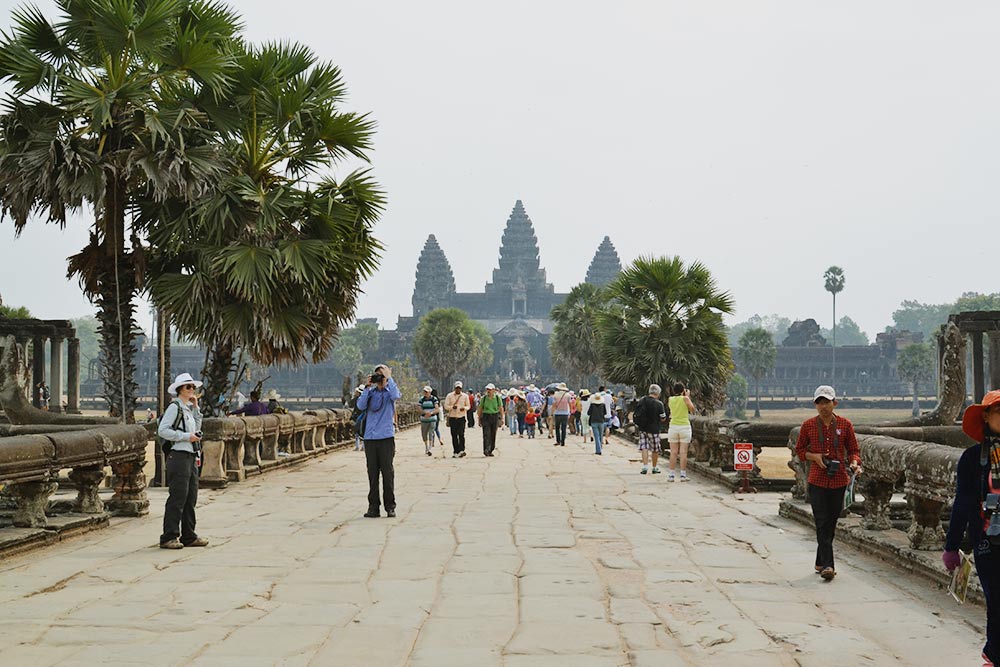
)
(519, 287)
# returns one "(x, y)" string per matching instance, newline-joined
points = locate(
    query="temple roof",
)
(605, 266)
(435, 282)
(519, 262)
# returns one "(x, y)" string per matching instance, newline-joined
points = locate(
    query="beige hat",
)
(458, 383)
(273, 395)
(562, 386)
(181, 380)
(427, 388)
(491, 386)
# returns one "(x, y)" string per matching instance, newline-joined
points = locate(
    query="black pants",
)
(826, 507)
(987, 558)
(182, 482)
(489, 424)
(379, 455)
(457, 426)
(562, 421)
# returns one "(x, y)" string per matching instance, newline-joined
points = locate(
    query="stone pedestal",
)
(925, 532)
(130, 489)
(213, 467)
(32, 500)
(878, 495)
(88, 482)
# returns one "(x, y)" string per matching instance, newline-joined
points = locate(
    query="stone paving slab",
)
(538, 557)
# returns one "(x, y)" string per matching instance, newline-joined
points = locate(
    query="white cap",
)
(824, 391)
(427, 388)
(458, 383)
(491, 386)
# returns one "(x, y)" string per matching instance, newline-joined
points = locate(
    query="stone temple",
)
(514, 306)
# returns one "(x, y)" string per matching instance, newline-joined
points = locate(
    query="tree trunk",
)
(756, 412)
(217, 378)
(916, 401)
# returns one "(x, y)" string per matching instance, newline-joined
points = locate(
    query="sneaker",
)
(828, 573)
(372, 514)
(454, 456)
(461, 455)
(390, 513)
(197, 542)
(671, 477)
(684, 476)
(656, 470)
(428, 452)
(644, 470)
(172, 544)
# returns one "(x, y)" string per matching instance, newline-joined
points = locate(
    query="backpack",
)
(167, 445)
(640, 416)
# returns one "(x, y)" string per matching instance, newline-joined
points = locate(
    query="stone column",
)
(88, 481)
(73, 377)
(55, 374)
(37, 369)
(978, 379)
(994, 352)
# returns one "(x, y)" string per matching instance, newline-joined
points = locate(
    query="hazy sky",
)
(767, 139)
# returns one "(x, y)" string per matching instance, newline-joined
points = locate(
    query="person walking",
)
(828, 443)
(491, 415)
(379, 400)
(596, 413)
(511, 409)
(530, 419)
(547, 413)
(180, 429)
(473, 400)
(456, 406)
(561, 408)
(585, 415)
(977, 476)
(358, 418)
(679, 433)
(428, 419)
(521, 409)
(647, 416)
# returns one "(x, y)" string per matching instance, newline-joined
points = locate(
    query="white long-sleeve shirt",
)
(191, 424)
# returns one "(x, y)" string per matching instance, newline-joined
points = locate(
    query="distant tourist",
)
(358, 418)
(978, 475)
(429, 404)
(379, 401)
(530, 419)
(595, 414)
(679, 433)
(456, 406)
(609, 405)
(44, 395)
(547, 414)
(491, 415)
(511, 408)
(562, 401)
(521, 409)
(649, 413)
(252, 408)
(473, 401)
(180, 429)
(273, 406)
(585, 415)
(828, 443)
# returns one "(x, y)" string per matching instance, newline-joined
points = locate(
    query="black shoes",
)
(390, 513)
(372, 514)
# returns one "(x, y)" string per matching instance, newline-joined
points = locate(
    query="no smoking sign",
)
(743, 456)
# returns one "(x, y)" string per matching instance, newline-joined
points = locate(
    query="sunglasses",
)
(188, 386)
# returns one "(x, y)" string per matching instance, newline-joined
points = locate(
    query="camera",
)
(990, 507)
(832, 466)
(377, 377)
(198, 433)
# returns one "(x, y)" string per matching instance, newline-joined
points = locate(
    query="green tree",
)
(662, 323)
(834, 283)
(346, 359)
(447, 342)
(104, 111)
(915, 364)
(736, 397)
(757, 354)
(15, 312)
(775, 324)
(272, 260)
(848, 333)
(573, 343)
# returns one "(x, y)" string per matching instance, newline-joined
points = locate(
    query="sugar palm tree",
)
(663, 324)
(573, 343)
(834, 282)
(103, 110)
(757, 353)
(271, 261)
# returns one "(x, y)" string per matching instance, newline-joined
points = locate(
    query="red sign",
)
(743, 456)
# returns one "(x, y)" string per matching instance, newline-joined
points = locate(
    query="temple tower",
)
(605, 266)
(435, 283)
(519, 281)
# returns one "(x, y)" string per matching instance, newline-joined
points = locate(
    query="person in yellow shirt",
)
(679, 433)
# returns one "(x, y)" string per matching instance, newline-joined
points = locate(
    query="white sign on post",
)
(743, 456)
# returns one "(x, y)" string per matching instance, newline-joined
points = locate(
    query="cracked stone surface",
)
(538, 557)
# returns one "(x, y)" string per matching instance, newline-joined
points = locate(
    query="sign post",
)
(743, 462)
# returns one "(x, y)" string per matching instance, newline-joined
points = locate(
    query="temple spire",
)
(605, 266)
(435, 283)
(519, 262)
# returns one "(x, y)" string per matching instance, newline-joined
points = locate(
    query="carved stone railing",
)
(237, 447)
(713, 439)
(924, 471)
(30, 465)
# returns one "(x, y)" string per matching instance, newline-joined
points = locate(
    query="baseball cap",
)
(427, 388)
(491, 386)
(824, 391)
(458, 384)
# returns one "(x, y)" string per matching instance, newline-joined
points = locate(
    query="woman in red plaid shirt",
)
(828, 443)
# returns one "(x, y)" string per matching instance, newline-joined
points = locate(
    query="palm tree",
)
(663, 323)
(448, 342)
(757, 354)
(573, 343)
(915, 364)
(834, 278)
(272, 260)
(104, 110)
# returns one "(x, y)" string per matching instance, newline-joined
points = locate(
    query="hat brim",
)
(972, 422)
(172, 389)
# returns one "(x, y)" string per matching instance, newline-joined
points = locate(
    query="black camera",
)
(198, 433)
(377, 377)
(832, 466)
(990, 507)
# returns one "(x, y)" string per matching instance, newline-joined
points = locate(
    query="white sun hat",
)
(183, 379)
(491, 386)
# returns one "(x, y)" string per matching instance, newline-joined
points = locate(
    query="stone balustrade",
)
(712, 440)
(923, 471)
(30, 465)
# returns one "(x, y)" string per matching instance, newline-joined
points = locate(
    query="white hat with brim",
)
(273, 395)
(562, 387)
(491, 386)
(824, 391)
(181, 380)
(428, 389)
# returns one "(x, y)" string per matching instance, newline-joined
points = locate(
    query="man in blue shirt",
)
(379, 401)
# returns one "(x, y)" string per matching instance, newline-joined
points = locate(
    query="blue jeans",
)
(520, 423)
(598, 430)
(512, 418)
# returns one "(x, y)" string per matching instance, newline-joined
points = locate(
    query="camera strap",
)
(822, 437)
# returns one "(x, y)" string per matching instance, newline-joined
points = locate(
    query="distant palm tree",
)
(834, 278)
(447, 342)
(757, 353)
(662, 323)
(573, 343)
(105, 109)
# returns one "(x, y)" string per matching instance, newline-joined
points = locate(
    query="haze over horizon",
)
(768, 140)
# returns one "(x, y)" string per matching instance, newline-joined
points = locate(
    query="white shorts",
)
(679, 435)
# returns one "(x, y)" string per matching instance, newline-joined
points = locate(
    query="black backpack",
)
(639, 416)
